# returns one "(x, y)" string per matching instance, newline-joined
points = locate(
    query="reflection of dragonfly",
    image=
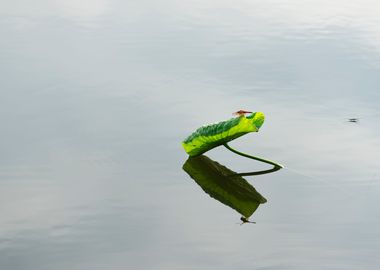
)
(246, 220)
(226, 186)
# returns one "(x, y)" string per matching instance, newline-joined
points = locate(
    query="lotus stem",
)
(276, 165)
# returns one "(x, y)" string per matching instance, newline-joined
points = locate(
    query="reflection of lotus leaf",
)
(224, 185)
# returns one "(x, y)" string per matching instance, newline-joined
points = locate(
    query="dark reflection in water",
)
(226, 186)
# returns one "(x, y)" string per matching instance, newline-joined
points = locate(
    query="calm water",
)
(96, 96)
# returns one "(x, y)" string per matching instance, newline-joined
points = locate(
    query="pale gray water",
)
(96, 96)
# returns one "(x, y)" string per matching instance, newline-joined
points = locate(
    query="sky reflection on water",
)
(96, 96)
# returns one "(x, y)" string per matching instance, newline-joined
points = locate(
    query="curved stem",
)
(276, 165)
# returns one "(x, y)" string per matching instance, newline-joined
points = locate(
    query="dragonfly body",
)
(241, 112)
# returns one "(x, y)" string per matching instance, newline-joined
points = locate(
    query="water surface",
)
(96, 96)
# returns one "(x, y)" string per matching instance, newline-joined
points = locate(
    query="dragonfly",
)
(353, 120)
(241, 112)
